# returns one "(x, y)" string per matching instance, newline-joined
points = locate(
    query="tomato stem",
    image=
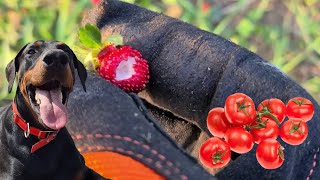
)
(265, 112)
(295, 128)
(260, 124)
(217, 157)
(300, 102)
(266, 107)
(242, 107)
(280, 152)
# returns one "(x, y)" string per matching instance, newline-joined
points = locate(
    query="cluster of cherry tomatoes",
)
(239, 125)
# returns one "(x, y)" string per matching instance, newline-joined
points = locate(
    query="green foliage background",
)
(285, 32)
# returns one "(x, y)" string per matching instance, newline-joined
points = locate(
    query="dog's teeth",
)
(38, 101)
(61, 96)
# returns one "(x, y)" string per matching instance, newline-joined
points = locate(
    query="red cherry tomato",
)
(275, 107)
(214, 153)
(264, 129)
(270, 154)
(239, 109)
(299, 107)
(240, 140)
(217, 122)
(294, 131)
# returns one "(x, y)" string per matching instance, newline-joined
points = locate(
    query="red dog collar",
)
(45, 137)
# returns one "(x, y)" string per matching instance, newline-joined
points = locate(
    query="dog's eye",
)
(31, 51)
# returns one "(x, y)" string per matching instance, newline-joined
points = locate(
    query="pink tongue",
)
(53, 113)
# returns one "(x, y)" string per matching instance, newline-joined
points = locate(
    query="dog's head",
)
(46, 75)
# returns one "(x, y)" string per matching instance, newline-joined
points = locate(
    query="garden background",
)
(285, 32)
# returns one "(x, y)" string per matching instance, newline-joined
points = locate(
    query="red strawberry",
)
(124, 67)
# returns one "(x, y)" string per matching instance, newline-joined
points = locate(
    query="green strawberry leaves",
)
(90, 36)
(91, 43)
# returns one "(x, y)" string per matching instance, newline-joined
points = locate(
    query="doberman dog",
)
(34, 143)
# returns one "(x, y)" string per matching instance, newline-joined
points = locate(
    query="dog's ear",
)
(12, 68)
(82, 72)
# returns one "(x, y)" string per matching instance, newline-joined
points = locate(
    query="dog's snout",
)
(55, 59)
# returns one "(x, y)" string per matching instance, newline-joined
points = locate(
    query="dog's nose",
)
(55, 59)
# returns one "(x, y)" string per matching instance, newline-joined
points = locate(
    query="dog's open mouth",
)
(49, 102)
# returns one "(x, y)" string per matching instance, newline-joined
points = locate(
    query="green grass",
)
(285, 32)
